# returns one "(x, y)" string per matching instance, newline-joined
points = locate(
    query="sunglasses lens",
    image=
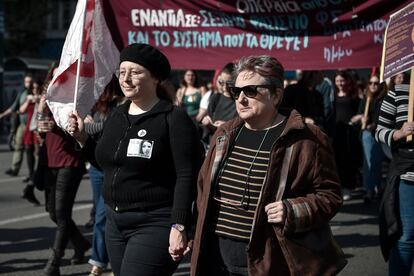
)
(234, 91)
(250, 91)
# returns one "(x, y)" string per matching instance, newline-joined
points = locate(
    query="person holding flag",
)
(148, 195)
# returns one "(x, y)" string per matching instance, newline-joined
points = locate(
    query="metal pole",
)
(2, 30)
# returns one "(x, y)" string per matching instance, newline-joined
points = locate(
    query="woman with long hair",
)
(190, 93)
(30, 141)
(63, 171)
(372, 150)
(346, 143)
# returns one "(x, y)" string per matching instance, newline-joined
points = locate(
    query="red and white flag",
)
(89, 58)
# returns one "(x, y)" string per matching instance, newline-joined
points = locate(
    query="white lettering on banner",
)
(378, 25)
(378, 38)
(343, 34)
(318, 4)
(289, 42)
(333, 54)
(163, 18)
(137, 37)
(292, 22)
(195, 39)
(233, 41)
(217, 19)
(161, 38)
(267, 6)
(251, 41)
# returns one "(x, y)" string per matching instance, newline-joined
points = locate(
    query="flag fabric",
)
(89, 39)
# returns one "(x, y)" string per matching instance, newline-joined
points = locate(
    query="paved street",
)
(26, 233)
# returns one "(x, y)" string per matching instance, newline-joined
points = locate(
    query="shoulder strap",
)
(284, 172)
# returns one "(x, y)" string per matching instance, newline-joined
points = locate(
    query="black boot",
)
(80, 248)
(28, 193)
(52, 266)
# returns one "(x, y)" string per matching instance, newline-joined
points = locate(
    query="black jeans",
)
(224, 257)
(137, 242)
(60, 188)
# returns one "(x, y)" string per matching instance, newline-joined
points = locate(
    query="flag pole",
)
(75, 97)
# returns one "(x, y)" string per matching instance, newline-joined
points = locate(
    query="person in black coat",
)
(148, 154)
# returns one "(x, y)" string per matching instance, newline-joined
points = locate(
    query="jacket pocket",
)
(313, 252)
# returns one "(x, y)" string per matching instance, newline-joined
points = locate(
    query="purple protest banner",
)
(313, 34)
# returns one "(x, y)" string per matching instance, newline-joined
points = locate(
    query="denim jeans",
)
(138, 242)
(373, 158)
(402, 255)
(99, 255)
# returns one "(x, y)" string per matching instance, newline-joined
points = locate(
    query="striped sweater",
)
(393, 114)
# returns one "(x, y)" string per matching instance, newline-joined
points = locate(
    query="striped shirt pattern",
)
(234, 220)
(393, 114)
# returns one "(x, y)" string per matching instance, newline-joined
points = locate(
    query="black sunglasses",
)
(249, 90)
(222, 82)
(373, 82)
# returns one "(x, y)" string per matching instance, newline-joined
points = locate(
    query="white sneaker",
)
(346, 195)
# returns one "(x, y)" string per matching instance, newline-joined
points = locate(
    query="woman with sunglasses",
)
(372, 150)
(268, 186)
(221, 106)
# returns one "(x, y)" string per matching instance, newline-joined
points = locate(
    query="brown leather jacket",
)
(312, 196)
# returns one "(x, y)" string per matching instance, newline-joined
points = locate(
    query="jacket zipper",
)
(209, 196)
(118, 168)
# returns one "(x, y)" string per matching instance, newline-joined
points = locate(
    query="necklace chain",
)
(246, 185)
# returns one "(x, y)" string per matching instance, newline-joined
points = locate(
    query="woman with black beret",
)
(148, 193)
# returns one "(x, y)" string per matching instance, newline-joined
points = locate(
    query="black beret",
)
(149, 57)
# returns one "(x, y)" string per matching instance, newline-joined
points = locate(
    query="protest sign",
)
(398, 53)
(319, 34)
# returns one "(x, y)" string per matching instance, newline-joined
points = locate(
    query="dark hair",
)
(350, 85)
(196, 79)
(112, 89)
(49, 76)
(227, 69)
(392, 80)
(266, 66)
(166, 91)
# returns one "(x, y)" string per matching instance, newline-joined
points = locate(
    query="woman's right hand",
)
(76, 128)
(206, 121)
(406, 130)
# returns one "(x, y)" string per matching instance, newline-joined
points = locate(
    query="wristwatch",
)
(178, 227)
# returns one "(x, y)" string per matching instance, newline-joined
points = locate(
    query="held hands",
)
(218, 123)
(75, 127)
(206, 121)
(178, 244)
(406, 130)
(276, 212)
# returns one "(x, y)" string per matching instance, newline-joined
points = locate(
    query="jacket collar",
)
(294, 122)
(163, 106)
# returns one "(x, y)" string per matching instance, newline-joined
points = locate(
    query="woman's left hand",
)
(178, 244)
(276, 212)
